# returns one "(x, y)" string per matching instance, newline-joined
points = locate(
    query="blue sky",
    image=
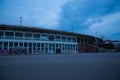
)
(93, 17)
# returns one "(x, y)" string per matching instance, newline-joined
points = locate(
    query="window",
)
(18, 35)
(63, 38)
(69, 39)
(85, 41)
(9, 35)
(5, 45)
(28, 35)
(16, 44)
(46, 47)
(42, 45)
(68, 46)
(30, 45)
(81, 40)
(25, 44)
(11, 44)
(56, 45)
(38, 44)
(74, 39)
(36, 36)
(51, 37)
(50, 46)
(65, 46)
(1, 34)
(0, 44)
(57, 38)
(44, 37)
(21, 44)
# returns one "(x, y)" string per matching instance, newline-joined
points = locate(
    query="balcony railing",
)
(35, 38)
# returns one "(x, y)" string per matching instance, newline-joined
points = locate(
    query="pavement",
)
(83, 66)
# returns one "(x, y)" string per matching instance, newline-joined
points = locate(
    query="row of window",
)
(25, 44)
(36, 36)
(43, 47)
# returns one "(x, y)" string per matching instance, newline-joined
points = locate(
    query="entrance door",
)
(58, 50)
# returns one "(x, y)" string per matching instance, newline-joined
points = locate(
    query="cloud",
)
(108, 26)
(34, 12)
(82, 14)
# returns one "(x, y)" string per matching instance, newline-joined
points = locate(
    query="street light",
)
(20, 21)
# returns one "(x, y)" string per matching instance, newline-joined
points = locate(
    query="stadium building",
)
(30, 40)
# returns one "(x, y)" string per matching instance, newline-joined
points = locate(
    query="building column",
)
(55, 47)
(48, 48)
(2, 45)
(40, 36)
(18, 44)
(24, 35)
(77, 48)
(36, 46)
(40, 47)
(32, 36)
(32, 47)
(87, 41)
(72, 48)
(4, 34)
(67, 48)
(79, 42)
(14, 35)
(13, 44)
(27, 48)
(61, 48)
(83, 42)
(44, 48)
(60, 38)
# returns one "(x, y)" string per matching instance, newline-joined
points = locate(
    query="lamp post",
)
(72, 28)
(20, 21)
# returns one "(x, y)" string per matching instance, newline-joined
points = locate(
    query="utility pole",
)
(103, 37)
(20, 21)
(72, 28)
(96, 40)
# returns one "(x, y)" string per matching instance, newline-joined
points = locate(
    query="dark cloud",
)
(35, 13)
(83, 13)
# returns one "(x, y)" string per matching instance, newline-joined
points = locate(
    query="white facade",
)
(34, 42)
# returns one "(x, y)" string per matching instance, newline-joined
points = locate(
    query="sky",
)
(92, 17)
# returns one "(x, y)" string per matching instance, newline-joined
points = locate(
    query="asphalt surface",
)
(88, 66)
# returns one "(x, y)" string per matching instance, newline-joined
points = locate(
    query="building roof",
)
(40, 30)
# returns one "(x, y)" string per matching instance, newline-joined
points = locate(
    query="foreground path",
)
(61, 67)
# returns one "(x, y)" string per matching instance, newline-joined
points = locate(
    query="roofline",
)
(44, 30)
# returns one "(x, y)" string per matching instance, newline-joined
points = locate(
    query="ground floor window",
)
(38, 48)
